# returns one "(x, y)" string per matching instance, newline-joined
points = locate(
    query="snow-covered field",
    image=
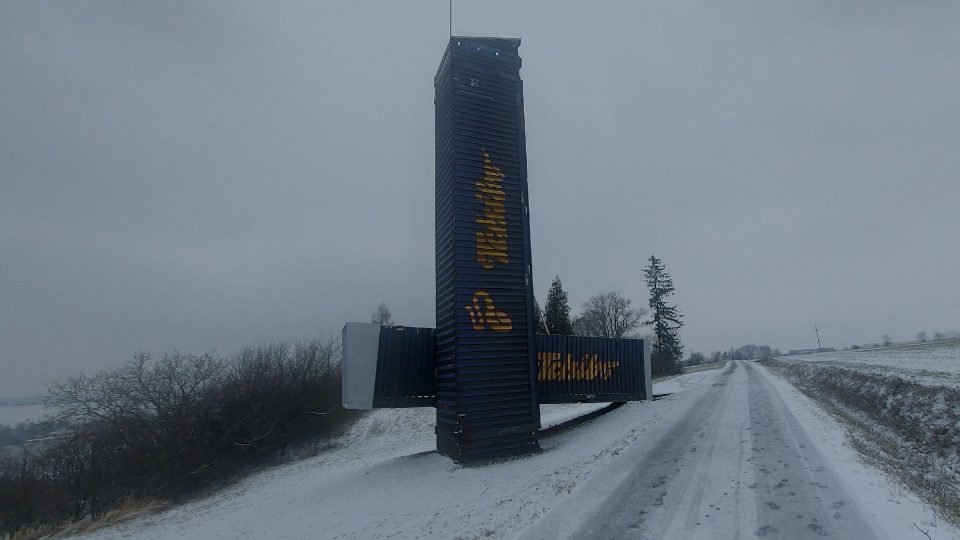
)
(927, 363)
(383, 480)
(11, 415)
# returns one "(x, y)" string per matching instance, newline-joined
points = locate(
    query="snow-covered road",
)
(736, 464)
(732, 453)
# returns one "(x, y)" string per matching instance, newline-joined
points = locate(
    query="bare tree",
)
(581, 326)
(139, 392)
(922, 336)
(608, 315)
(886, 340)
(538, 317)
(382, 315)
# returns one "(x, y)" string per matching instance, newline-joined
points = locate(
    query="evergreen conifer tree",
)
(557, 312)
(665, 319)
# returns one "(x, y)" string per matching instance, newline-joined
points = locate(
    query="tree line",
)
(611, 314)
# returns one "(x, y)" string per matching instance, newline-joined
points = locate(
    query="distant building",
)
(811, 351)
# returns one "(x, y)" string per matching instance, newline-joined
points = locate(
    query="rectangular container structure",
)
(590, 369)
(569, 368)
(405, 372)
(358, 368)
(485, 367)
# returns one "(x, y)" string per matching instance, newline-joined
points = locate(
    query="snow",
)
(385, 434)
(382, 479)
(927, 363)
(683, 383)
(893, 509)
(552, 415)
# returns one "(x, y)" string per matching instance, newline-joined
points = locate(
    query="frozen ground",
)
(927, 363)
(686, 466)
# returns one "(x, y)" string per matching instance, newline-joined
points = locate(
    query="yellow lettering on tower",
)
(484, 314)
(492, 239)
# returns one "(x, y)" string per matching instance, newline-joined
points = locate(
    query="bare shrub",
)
(159, 428)
(276, 391)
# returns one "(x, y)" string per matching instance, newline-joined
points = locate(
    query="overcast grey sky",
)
(206, 175)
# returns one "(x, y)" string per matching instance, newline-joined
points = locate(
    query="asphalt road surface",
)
(736, 465)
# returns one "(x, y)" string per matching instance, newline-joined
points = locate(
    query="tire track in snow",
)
(736, 464)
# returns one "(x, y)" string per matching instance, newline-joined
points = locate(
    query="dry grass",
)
(124, 512)
(128, 509)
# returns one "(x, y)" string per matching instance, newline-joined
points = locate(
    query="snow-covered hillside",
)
(383, 480)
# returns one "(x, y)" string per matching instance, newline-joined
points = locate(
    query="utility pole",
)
(817, 330)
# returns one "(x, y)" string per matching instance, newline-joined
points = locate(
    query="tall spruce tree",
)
(556, 314)
(665, 319)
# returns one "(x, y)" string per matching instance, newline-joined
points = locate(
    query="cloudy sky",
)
(205, 175)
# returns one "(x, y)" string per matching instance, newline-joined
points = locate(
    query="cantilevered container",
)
(591, 369)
